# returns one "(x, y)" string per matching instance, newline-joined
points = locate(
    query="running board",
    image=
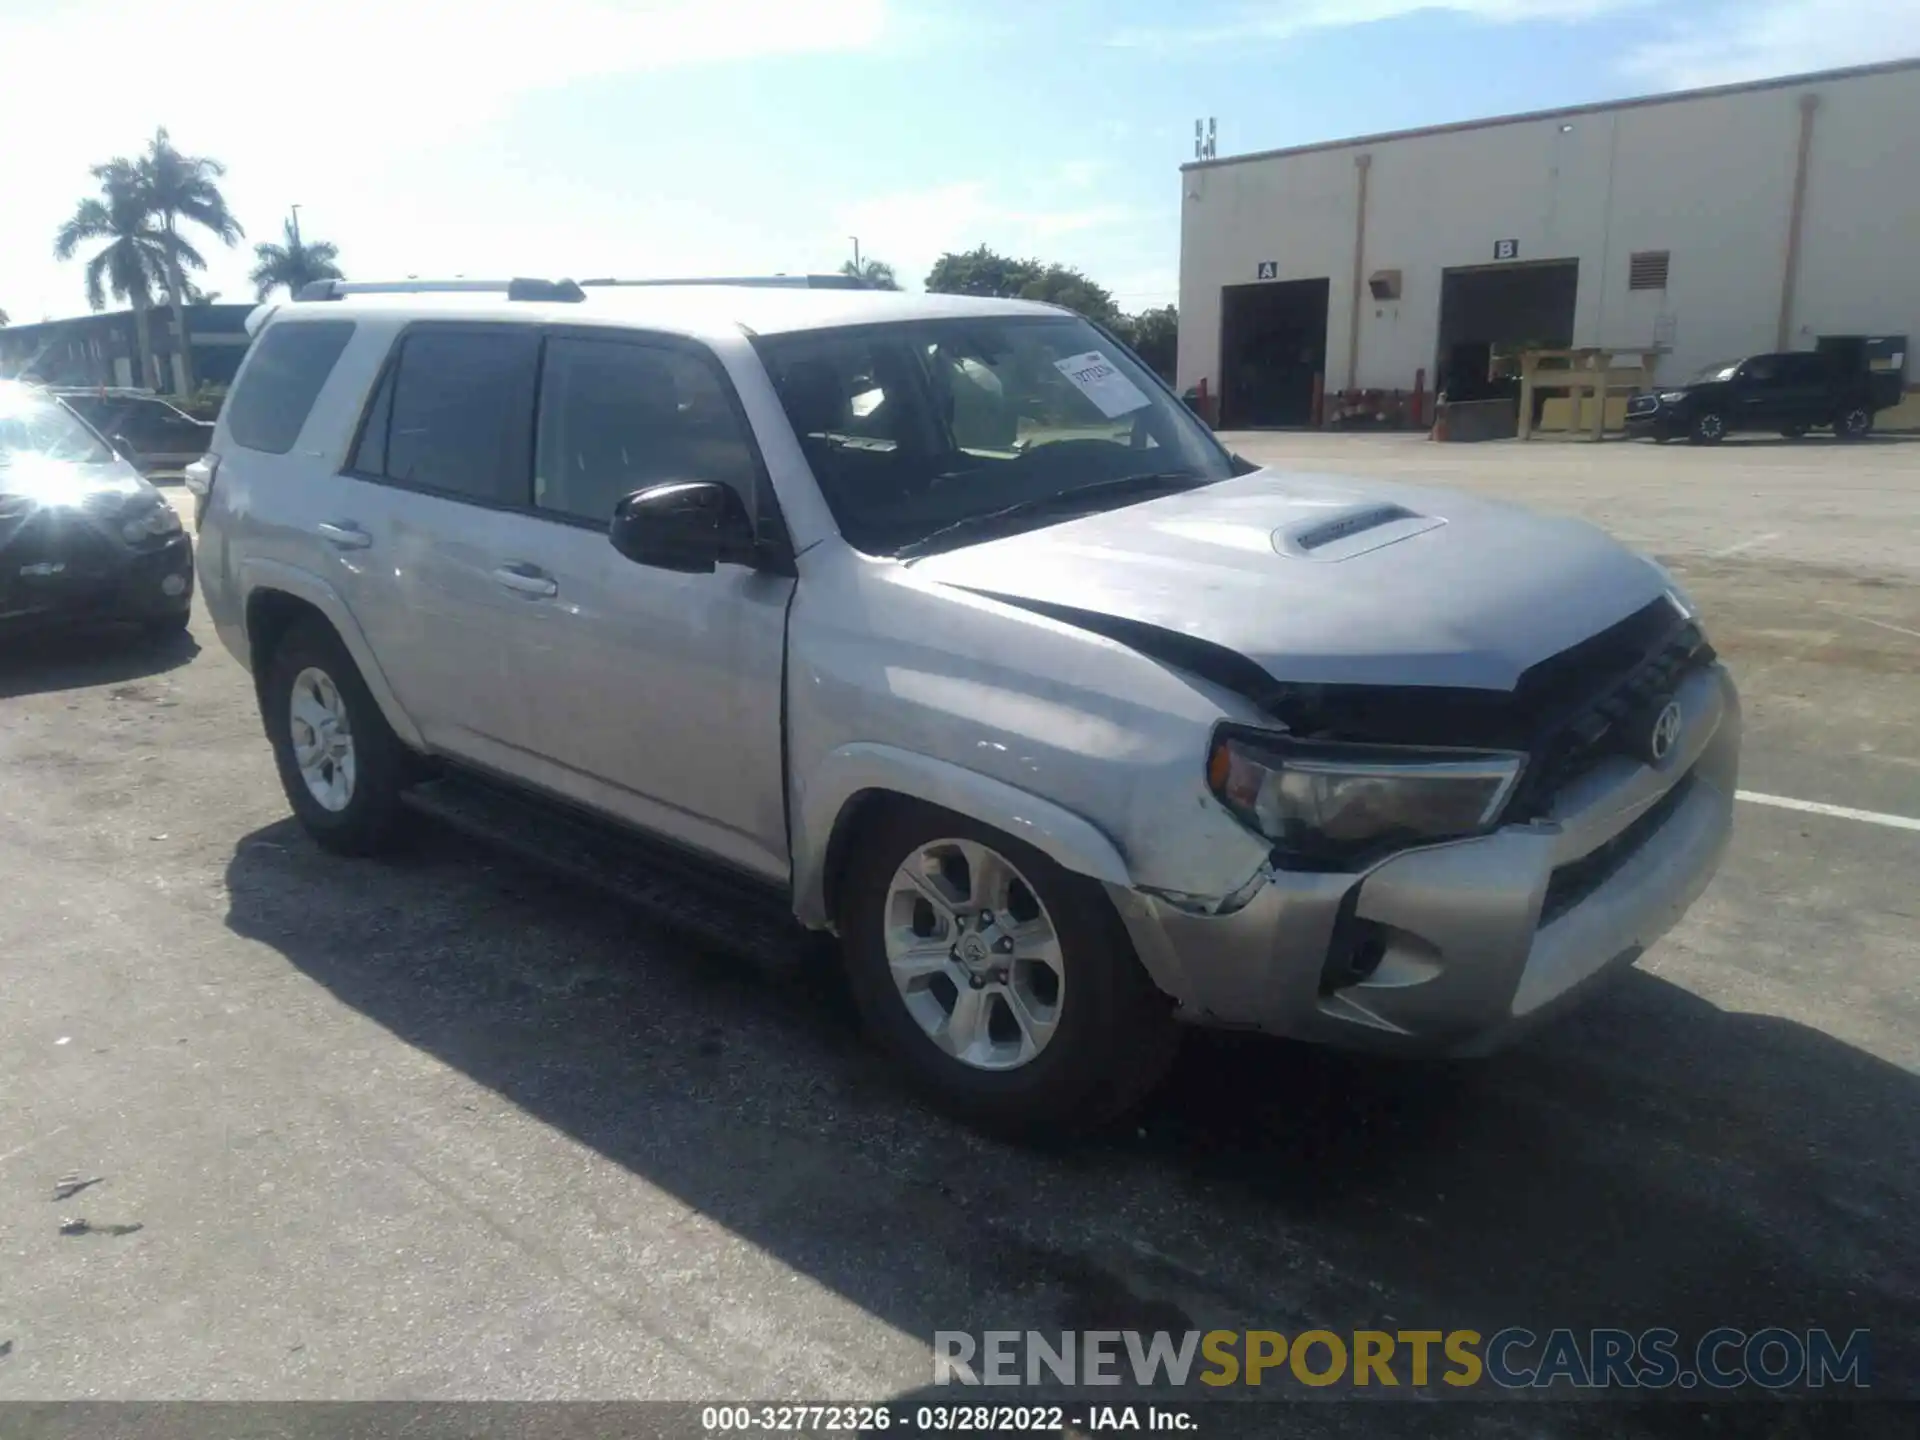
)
(680, 892)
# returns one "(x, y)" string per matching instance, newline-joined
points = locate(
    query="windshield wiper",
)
(1074, 497)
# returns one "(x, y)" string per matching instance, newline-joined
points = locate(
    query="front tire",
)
(1709, 428)
(1853, 423)
(340, 763)
(1003, 984)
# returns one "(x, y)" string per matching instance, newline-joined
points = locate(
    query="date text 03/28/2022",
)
(932, 1419)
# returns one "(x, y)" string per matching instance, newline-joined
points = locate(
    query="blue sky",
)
(664, 137)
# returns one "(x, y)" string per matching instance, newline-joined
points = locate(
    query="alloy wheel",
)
(974, 954)
(322, 739)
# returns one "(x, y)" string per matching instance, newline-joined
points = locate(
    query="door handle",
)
(344, 536)
(526, 580)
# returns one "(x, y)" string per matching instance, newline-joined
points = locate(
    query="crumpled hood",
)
(1322, 580)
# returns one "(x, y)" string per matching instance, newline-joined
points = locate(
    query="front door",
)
(654, 696)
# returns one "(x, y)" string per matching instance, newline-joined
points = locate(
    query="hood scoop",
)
(1352, 530)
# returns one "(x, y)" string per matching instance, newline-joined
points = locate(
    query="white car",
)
(941, 624)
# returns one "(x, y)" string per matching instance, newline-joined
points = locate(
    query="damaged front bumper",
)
(1455, 948)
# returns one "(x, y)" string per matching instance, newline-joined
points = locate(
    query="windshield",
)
(919, 427)
(1719, 370)
(34, 424)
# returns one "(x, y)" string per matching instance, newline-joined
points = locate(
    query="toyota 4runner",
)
(940, 624)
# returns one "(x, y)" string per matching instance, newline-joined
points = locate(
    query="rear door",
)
(445, 443)
(654, 696)
(1805, 389)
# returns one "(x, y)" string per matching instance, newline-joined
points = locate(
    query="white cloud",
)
(340, 108)
(1777, 37)
(1285, 19)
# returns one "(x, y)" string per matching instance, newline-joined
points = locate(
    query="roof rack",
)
(517, 289)
(781, 282)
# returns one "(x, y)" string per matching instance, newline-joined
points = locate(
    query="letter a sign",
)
(1269, 270)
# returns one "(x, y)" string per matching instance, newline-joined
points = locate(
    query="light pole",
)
(856, 253)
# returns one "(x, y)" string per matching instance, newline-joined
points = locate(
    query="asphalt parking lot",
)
(441, 1127)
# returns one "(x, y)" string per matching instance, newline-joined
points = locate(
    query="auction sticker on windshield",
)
(1096, 377)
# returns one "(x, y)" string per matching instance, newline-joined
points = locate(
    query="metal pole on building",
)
(856, 252)
(1362, 163)
(1783, 330)
(296, 224)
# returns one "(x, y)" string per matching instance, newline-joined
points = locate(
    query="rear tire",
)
(344, 771)
(1109, 1034)
(1709, 428)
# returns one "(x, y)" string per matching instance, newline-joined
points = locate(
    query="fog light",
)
(174, 586)
(1359, 947)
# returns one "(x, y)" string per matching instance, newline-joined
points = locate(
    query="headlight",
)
(1335, 806)
(150, 522)
(1672, 397)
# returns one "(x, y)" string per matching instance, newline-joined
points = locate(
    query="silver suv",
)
(939, 623)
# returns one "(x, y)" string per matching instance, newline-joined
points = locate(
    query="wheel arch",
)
(279, 596)
(856, 782)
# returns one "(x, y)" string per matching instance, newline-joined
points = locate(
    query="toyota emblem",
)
(1666, 732)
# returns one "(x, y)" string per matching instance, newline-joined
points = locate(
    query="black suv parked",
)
(1790, 393)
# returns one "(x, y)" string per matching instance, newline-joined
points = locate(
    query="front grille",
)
(1577, 879)
(52, 558)
(1589, 719)
(1643, 405)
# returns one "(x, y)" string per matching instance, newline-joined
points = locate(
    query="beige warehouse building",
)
(1697, 226)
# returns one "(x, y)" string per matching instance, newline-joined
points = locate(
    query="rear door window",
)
(283, 377)
(1804, 369)
(454, 415)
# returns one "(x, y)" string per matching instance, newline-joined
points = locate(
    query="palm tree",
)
(182, 187)
(293, 264)
(135, 259)
(876, 273)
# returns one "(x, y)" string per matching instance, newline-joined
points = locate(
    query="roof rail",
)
(517, 289)
(780, 282)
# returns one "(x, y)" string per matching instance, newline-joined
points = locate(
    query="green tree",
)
(184, 189)
(293, 264)
(134, 261)
(1061, 285)
(1155, 338)
(981, 271)
(877, 273)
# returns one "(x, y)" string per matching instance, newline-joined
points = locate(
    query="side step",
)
(704, 903)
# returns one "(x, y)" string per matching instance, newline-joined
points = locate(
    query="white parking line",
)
(1738, 546)
(1839, 812)
(1869, 620)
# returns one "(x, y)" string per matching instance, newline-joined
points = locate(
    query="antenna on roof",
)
(1204, 147)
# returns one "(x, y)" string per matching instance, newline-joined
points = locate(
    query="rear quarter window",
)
(282, 379)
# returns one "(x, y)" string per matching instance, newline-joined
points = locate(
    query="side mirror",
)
(685, 525)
